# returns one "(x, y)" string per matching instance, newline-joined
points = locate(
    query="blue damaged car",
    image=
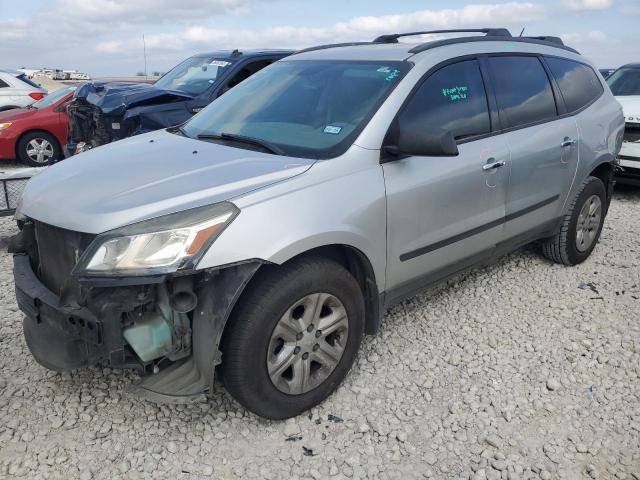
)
(102, 112)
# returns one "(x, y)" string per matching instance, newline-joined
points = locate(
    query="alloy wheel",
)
(40, 150)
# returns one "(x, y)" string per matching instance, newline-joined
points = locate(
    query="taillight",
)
(37, 95)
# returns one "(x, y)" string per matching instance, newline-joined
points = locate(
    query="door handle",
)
(568, 143)
(492, 165)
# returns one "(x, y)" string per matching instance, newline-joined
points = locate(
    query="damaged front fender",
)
(217, 294)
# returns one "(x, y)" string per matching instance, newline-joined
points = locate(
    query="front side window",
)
(625, 81)
(523, 90)
(578, 83)
(453, 99)
(194, 76)
(306, 108)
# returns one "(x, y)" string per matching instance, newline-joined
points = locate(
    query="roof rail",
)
(332, 45)
(451, 41)
(548, 38)
(490, 32)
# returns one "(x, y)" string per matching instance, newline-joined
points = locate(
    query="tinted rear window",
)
(578, 83)
(523, 90)
(453, 99)
(25, 79)
(3, 84)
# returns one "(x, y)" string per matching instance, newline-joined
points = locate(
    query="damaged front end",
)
(101, 112)
(167, 326)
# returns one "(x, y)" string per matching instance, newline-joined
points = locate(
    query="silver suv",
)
(17, 91)
(264, 237)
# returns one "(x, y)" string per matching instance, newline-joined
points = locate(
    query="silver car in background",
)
(264, 237)
(17, 91)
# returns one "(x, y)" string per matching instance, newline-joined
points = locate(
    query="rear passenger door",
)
(542, 145)
(445, 213)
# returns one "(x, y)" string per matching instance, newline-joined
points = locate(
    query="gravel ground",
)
(521, 370)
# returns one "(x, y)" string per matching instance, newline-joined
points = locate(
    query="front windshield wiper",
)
(180, 130)
(268, 146)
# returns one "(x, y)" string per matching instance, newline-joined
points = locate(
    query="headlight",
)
(5, 125)
(157, 246)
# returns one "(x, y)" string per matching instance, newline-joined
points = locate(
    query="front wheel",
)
(581, 226)
(37, 149)
(293, 337)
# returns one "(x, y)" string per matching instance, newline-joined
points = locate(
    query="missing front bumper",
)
(63, 336)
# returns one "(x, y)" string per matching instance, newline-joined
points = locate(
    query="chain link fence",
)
(12, 183)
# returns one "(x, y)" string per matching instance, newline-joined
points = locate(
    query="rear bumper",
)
(629, 158)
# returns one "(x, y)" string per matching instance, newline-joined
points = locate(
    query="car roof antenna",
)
(522, 31)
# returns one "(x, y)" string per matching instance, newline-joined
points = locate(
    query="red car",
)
(35, 134)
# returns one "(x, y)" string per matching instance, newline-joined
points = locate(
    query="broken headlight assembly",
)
(157, 246)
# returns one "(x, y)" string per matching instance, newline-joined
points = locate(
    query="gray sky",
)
(104, 37)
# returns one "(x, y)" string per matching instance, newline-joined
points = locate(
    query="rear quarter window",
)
(578, 83)
(3, 84)
(523, 90)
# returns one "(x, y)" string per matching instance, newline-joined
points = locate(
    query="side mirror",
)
(413, 140)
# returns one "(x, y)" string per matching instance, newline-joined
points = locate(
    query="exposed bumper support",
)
(63, 336)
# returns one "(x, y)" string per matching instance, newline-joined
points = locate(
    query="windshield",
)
(193, 76)
(625, 81)
(53, 97)
(305, 108)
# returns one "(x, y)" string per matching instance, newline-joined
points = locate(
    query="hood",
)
(115, 98)
(147, 176)
(16, 114)
(631, 107)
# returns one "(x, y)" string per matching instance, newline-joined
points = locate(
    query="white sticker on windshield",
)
(384, 70)
(220, 63)
(333, 129)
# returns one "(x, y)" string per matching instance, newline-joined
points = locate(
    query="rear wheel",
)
(36, 149)
(581, 226)
(293, 337)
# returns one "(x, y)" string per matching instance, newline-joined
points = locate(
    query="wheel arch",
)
(604, 170)
(355, 262)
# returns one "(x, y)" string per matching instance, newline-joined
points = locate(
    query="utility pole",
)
(144, 49)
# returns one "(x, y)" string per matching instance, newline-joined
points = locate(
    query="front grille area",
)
(58, 253)
(632, 132)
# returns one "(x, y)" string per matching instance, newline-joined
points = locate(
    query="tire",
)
(251, 338)
(566, 247)
(33, 140)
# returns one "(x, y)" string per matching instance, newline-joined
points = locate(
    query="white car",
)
(625, 85)
(80, 76)
(17, 91)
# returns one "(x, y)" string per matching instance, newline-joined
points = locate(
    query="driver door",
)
(445, 213)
